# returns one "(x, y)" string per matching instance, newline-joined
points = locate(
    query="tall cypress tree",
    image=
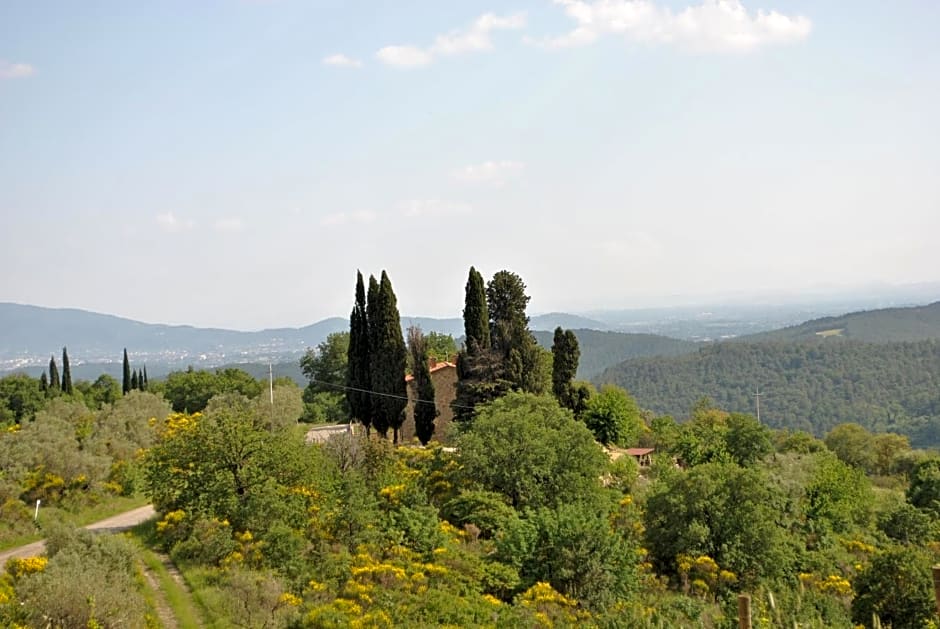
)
(126, 381)
(54, 384)
(133, 380)
(565, 356)
(389, 357)
(66, 373)
(476, 316)
(425, 409)
(358, 377)
(373, 297)
(44, 382)
(145, 382)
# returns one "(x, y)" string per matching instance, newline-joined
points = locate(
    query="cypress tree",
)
(145, 381)
(54, 384)
(476, 317)
(66, 373)
(389, 357)
(425, 409)
(44, 382)
(373, 296)
(358, 377)
(565, 356)
(126, 381)
(133, 380)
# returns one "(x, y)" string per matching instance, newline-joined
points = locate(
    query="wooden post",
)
(744, 611)
(936, 586)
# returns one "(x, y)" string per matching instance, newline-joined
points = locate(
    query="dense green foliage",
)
(190, 391)
(613, 416)
(425, 410)
(126, 375)
(812, 387)
(326, 370)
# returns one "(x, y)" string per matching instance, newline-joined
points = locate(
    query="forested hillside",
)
(874, 326)
(812, 387)
(600, 350)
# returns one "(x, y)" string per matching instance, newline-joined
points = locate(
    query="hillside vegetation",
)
(806, 386)
(887, 325)
(600, 350)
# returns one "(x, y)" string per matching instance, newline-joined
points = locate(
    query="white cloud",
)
(343, 218)
(403, 56)
(496, 173)
(474, 38)
(341, 61)
(712, 26)
(171, 223)
(426, 208)
(10, 70)
(231, 224)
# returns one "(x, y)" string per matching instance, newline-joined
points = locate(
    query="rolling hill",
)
(806, 386)
(600, 350)
(887, 325)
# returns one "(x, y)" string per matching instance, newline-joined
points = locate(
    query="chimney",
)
(432, 362)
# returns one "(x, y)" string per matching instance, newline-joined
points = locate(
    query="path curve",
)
(114, 524)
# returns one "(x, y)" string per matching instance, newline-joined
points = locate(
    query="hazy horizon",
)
(232, 163)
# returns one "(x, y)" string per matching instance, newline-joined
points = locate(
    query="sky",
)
(232, 163)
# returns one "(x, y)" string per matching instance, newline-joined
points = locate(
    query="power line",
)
(388, 395)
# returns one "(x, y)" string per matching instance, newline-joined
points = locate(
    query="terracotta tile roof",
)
(441, 365)
(639, 451)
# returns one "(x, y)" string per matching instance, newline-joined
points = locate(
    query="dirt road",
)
(120, 522)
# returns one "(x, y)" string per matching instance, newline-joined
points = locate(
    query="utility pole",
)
(271, 381)
(757, 395)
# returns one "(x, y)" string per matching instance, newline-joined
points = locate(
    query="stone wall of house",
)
(445, 391)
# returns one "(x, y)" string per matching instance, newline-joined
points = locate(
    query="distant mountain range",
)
(30, 334)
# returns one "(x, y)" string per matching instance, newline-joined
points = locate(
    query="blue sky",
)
(233, 163)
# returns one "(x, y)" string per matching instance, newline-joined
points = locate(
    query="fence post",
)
(744, 611)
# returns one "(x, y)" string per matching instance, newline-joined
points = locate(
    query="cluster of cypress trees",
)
(52, 383)
(133, 380)
(375, 376)
(500, 353)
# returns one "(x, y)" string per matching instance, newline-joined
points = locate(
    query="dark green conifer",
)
(476, 317)
(425, 409)
(565, 356)
(54, 384)
(44, 382)
(126, 381)
(144, 382)
(133, 380)
(66, 373)
(389, 357)
(358, 375)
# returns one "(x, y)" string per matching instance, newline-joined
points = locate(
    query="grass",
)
(88, 515)
(180, 601)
